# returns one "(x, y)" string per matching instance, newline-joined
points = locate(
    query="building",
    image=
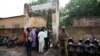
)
(15, 25)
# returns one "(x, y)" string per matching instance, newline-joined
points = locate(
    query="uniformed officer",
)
(63, 37)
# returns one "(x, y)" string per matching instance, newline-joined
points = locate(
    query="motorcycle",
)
(71, 49)
(11, 42)
(79, 49)
(3, 40)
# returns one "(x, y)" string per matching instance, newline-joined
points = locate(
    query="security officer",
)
(63, 37)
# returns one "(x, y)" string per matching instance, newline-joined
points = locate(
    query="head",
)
(33, 27)
(42, 29)
(80, 40)
(28, 30)
(63, 28)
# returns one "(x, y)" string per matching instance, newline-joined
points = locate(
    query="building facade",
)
(15, 25)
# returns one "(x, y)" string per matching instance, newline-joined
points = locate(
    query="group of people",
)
(36, 39)
(39, 39)
(83, 47)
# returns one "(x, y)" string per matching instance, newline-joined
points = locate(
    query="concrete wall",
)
(94, 21)
(84, 32)
(10, 22)
(37, 21)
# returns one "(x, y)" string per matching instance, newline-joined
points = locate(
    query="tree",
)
(80, 8)
(83, 8)
(64, 19)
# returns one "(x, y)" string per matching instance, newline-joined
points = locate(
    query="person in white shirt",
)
(41, 37)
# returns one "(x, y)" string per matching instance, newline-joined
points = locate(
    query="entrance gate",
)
(53, 7)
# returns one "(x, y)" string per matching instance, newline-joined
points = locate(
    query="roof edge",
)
(11, 17)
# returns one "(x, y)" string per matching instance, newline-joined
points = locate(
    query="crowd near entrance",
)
(37, 39)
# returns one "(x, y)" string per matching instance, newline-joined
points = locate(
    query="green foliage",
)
(80, 8)
(66, 22)
(83, 8)
(49, 20)
(64, 19)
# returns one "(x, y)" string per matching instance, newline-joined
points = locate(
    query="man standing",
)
(63, 41)
(41, 37)
(33, 34)
(46, 39)
(28, 42)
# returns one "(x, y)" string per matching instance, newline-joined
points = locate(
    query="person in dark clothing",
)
(28, 48)
(46, 39)
(37, 41)
(49, 36)
(28, 43)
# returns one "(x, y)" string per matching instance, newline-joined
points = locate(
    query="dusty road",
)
(20, 51)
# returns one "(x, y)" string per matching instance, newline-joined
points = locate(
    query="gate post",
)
(55, 22)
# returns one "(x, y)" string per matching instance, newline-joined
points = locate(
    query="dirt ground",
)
(20, 51)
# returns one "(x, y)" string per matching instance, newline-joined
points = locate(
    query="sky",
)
(10, 8)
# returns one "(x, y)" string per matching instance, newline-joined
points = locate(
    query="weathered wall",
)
(37, 21)
(10, 22)
(93, 21)
(77, 32)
